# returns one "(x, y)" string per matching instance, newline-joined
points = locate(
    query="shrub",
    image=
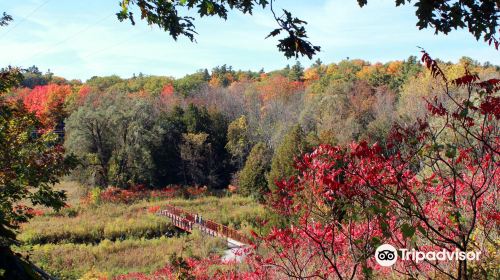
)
(251, 178)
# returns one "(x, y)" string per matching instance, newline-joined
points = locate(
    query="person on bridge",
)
(196, 218)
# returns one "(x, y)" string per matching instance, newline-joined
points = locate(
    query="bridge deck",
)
(186, 221)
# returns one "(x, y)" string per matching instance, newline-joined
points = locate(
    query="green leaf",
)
(408, 230)
(385, 228)
(375, 241)
(451, 151)
(422, 230)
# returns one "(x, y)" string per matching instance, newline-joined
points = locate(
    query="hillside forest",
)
(214, 128)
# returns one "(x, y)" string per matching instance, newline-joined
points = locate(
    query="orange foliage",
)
(35, 212)
(394, 67)
(197, 191)
(168, 90)
(167, 98)
(369, 70)
(277, 86)
(331, 69)
(311, 75)
(214, 82)
(117, 195)
(83, 92)
(47, 102)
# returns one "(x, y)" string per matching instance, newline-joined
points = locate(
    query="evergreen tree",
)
(206, 75)
(282, 166)
(252, 180)
(318, 63)
(286, 70)
(196, 119)
(195, 153)
(296, 72)
(166, 154)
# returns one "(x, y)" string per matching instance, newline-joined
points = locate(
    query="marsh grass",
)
(117, 238)
(110, 258)
(118, 221)
(93, 224)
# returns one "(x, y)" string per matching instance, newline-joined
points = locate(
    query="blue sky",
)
(80, 39)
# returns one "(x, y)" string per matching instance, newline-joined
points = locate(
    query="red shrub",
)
(154, 209)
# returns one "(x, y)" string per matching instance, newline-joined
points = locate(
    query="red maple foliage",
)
(47, 102)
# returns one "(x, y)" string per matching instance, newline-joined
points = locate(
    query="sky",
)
(81, 39)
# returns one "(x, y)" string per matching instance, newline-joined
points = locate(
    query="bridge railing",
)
(186, 220)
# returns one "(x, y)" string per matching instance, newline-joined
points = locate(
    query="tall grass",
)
(90, 224)
(71, 261)
(118, 238)
(232, 211)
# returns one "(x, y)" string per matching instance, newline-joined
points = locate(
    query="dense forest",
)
(225, 126)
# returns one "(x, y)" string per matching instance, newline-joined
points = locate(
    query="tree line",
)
(225, 126)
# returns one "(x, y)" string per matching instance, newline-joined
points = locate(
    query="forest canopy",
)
(200, 129)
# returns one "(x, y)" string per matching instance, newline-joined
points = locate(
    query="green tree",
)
(89, 135)
(238, 143)
(282, 164)
(133, 121)
(195, 154)
(191, 148)
(317, 63)
(196, 119)
(9, 78)
(34, 77)
(166, 152)
(296, 72)
(224, 75)
(102, 84)
(252, 178)
(410, 68)
(113, 136)
(219, 167)
(189, 84)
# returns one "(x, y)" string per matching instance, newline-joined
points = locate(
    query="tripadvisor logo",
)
(387, 255)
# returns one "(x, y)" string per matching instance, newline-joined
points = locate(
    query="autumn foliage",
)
(434, 186)
(47, 102)
(127, 196)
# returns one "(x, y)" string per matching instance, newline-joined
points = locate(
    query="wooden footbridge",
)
(188, 222)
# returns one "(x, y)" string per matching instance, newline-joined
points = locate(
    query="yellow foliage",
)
(311, 74)
(394, 67)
